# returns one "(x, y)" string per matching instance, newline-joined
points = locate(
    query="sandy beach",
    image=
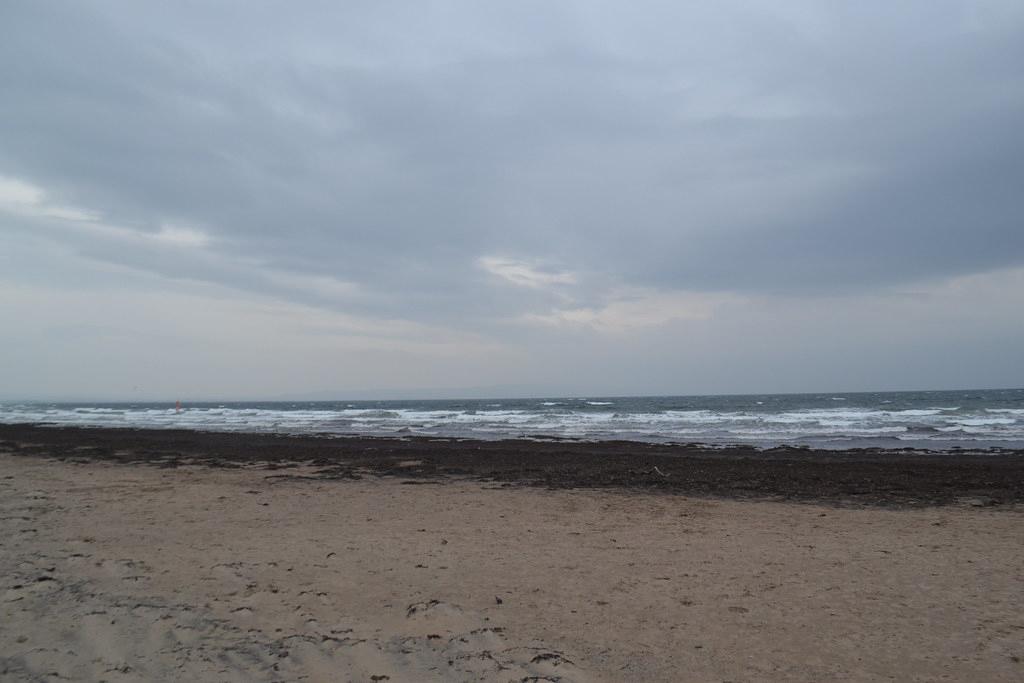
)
(282, 567)
(512, 342)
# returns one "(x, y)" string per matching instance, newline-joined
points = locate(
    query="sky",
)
(256, 200)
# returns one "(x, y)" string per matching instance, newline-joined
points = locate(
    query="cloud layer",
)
(561, 188)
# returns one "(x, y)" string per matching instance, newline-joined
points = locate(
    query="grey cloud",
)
(692, 162)
(789, 148)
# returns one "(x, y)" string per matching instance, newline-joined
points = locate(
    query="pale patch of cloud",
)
(26, 199)
(634, 308)
(68, 213)
(524, 274)
(167, 236)
(17, 193)
(65, 223)
(321, 285)
(181, 236)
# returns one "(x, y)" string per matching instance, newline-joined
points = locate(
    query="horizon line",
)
(579, 396)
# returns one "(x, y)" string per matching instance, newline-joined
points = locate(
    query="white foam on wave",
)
(802, 416)
(809, 425)
(859, 431)
(984, 422)
(697, 416)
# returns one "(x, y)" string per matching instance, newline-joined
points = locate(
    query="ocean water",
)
(932, 419)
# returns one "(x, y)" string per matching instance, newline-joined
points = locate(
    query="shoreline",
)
(857, 477)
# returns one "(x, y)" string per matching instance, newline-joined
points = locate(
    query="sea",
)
(935, 420)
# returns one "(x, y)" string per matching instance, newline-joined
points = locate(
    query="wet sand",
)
(241, 557)
(850, 477)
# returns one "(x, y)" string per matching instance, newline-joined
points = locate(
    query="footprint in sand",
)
(433, 616)
(449, 639)
(125, 569)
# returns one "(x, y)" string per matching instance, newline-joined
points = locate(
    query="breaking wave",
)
(930, 419)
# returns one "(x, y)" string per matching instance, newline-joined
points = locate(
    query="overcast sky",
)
(259, 199)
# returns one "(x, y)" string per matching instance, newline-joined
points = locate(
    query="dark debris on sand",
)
(857, 477)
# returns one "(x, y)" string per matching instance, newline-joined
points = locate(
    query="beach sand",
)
(114, 571)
